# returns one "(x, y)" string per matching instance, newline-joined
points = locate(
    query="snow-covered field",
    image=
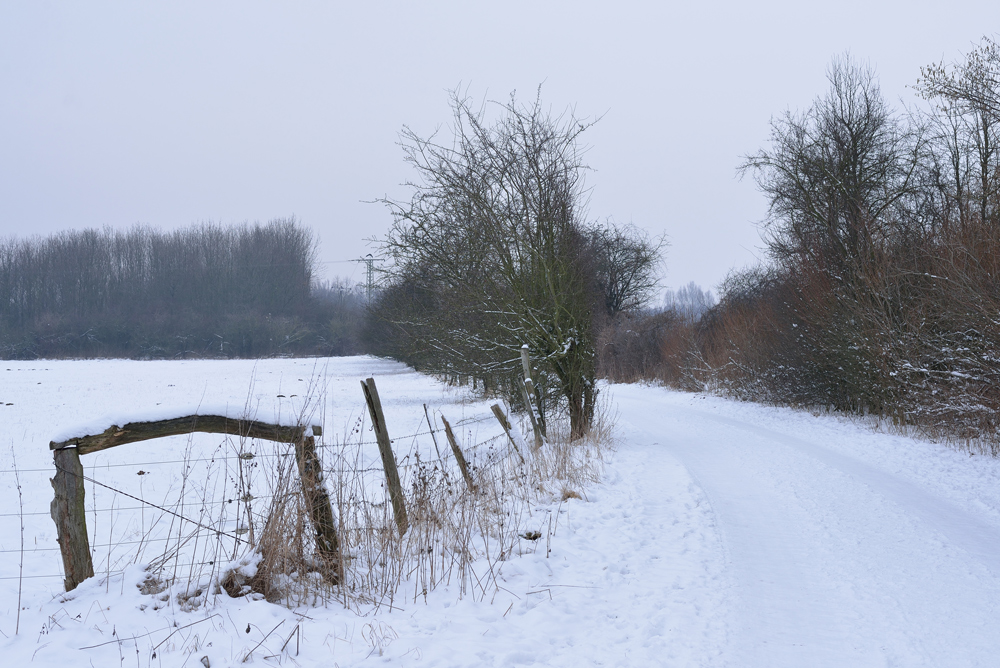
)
(724, 534)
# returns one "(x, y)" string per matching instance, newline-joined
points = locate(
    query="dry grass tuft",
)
(568, 494)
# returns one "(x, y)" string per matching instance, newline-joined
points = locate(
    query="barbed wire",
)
(151, 504)
(13, 471)
(61, 576)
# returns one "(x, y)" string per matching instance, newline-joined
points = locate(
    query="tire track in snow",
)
(972, 534)
(833, 561)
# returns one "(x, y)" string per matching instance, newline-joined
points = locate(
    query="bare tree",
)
(974, 83)
(492, 247)
(836, 174)
(626, 261)
(969, 105)
(689, 301)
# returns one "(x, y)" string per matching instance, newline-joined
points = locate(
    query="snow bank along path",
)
(842, 547)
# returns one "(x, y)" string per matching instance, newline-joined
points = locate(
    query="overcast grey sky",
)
(116, 113)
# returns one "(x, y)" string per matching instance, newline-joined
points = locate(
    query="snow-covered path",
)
(834, 556)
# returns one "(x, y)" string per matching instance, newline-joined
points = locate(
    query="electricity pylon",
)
(370, 261)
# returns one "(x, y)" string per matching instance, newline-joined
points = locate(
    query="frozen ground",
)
(724, 534)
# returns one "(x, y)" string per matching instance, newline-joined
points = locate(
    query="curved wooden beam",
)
(209, 424)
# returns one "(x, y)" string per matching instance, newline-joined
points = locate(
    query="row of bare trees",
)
(882, 292)
(208, 290)
(493, 251)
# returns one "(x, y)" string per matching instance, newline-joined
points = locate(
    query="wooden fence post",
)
(530, 393)
(388, 459)
(505, 423)
(431, 428)
(318, 503)
(535, 429)
(68, 513)
(459, 457)
(526, 368)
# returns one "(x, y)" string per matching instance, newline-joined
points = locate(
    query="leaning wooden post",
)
(506, 428)
(68, 513)
(531, 414)
(318, 502)
(388, 459)
(459, 457)
(431, 428)
(526, 364)
(532, 399)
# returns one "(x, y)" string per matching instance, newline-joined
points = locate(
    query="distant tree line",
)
(652, 342)
(205, 291)
(882, 290)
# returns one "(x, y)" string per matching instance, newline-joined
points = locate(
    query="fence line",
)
(226, 469)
